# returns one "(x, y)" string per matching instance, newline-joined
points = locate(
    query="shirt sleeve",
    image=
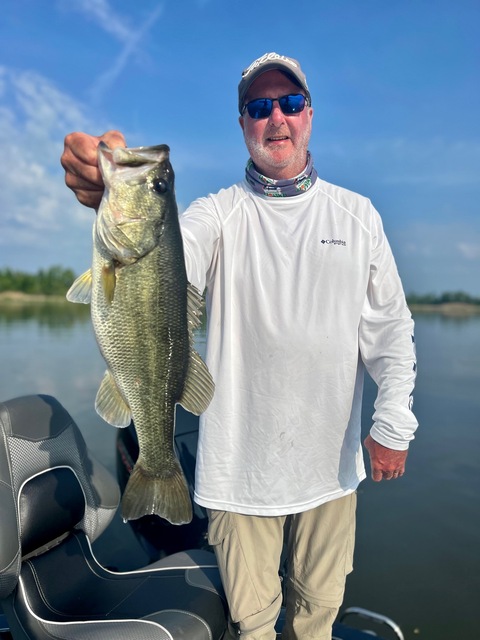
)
(201, 234)
(387, 345)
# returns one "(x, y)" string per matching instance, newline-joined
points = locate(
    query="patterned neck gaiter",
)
(281, 188)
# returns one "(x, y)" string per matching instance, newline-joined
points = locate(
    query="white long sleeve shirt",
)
(302, 292)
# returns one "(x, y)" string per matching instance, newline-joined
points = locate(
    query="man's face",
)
(277, 144)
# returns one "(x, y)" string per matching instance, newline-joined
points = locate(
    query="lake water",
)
(416, 554)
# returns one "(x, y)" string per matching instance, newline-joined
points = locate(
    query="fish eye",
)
(160, 186)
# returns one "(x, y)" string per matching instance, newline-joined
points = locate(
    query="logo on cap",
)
(267, 57)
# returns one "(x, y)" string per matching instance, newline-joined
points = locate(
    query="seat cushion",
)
(66, 585)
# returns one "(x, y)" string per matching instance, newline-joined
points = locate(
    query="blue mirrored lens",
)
(262, 107)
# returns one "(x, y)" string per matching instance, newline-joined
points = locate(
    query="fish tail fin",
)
(166, 496)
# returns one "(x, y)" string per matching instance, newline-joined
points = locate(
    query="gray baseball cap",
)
(267, 62)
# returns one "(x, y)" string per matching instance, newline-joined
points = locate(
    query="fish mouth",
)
(140, 156)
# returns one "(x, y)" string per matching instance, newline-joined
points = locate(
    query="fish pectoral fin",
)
(81, 289)
(109, 403)
(109, 281)
(199, 386)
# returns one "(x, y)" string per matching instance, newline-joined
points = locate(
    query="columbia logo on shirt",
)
(343, 243)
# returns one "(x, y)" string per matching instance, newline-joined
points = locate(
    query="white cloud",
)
(130, 35)
(2, 81)
(46, 110)
(102, 13)
(435, 256)
(35, 204)
(434, 162)
(469, 250)
(41, 222)
(131, 46)
(457, 237)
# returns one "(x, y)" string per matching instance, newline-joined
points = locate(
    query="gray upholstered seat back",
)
(37, 435)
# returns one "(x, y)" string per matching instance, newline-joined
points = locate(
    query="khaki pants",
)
(319, 548)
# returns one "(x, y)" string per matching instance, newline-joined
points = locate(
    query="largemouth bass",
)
(143, 313)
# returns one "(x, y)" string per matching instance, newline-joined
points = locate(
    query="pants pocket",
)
(250, 588)
(220, 523)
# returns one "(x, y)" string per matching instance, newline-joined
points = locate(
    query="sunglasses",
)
(262, 107)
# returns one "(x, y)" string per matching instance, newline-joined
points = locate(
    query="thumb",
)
(113, 139)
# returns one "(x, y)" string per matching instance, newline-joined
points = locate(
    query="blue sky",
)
(395, 87)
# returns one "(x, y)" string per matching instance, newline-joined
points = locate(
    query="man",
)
(302, 293)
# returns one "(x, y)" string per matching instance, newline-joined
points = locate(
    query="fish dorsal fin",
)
(199, 386)
(110, 404)
(194, 309)
(81, 289)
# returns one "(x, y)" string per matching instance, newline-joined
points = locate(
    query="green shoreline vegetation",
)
(50, 285)
(46, 283)
(41, 298)
(450, 303)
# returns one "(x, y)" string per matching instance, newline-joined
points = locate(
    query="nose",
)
(277, 116)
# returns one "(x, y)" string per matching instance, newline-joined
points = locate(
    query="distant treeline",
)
(57, 280)
(51, 282)
(449, 296)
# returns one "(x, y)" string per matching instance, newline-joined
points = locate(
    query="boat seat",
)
(55, 500)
